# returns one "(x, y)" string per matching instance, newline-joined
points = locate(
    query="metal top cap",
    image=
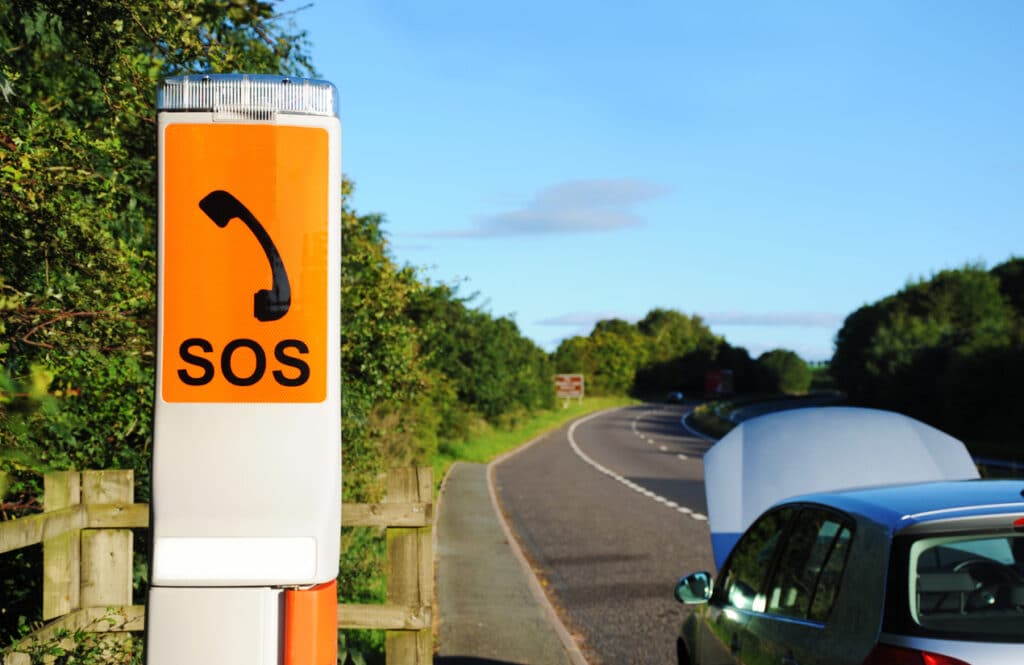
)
(261, 95)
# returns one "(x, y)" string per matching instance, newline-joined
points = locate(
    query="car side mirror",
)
(695, 588)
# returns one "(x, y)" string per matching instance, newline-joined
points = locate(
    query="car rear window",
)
(968, 586)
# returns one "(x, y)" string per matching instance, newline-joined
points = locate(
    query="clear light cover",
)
(248, 94)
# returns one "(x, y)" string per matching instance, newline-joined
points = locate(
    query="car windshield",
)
(968, 585)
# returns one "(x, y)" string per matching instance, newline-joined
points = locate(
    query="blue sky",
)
(770, 166)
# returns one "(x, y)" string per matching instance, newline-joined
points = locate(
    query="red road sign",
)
(569, 385)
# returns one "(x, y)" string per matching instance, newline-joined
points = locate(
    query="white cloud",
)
(770, 319)
(794, 319)
(578, 319)
(578, 206)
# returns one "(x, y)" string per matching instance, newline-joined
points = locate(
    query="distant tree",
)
(780, 370)
(666, 350)
(1011, 282)
(932, 349)
(618, 327)
(615, 353)
(849, 365)
(493, 369)
(672, 334)
(383, 376)
(737, 359)
(572, 356)
(679, 350)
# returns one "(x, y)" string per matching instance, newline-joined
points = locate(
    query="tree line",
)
(948, 349)
(668, 350)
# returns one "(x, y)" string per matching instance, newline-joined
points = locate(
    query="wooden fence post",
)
(15, 658)
(62, 554)
(410, 567)
(107, 553)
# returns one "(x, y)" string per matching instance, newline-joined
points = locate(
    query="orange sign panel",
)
(244, 263)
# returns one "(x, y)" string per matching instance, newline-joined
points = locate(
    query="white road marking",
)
(663, 449)
(682, 456)
(625, 481)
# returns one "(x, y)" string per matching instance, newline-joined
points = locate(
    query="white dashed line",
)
(682, 456)
(663, 449)
(628, 483)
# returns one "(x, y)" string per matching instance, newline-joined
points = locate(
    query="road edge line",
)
(689, 428)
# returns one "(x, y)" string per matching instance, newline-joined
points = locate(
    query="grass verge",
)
(711, 419)
(489, 444)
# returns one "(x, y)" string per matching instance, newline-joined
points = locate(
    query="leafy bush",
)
(783, 371)
(666, 350)
(948, 350)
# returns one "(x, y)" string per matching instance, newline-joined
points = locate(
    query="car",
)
(847, 536)
(675, 397)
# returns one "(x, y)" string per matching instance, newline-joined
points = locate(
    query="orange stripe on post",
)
(311, 625)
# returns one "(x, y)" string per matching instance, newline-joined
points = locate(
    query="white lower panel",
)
(209, 626)
(232, 561)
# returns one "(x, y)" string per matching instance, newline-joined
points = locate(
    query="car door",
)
(794, 627)
(724, 635)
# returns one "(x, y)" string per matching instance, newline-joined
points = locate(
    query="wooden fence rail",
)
(87, 559)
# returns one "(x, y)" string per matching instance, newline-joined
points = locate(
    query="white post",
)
(247, 435)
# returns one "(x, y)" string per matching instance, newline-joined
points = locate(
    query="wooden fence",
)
(87, 559)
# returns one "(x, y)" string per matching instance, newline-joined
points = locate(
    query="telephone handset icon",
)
(267, 304)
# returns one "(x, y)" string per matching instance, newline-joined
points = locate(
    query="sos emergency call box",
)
(246, 494)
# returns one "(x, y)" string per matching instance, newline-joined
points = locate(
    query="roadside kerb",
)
(572, 649)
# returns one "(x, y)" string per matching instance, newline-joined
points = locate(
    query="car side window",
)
(831, 576)
(746, 572)
(810, 566)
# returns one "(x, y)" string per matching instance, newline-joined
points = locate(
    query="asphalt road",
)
(610, 511)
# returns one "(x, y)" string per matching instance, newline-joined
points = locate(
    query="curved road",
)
(610, 511)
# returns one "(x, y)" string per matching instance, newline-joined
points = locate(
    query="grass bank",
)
(489, 444)
(712, 418)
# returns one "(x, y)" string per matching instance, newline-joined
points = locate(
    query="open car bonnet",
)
(767, 459)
